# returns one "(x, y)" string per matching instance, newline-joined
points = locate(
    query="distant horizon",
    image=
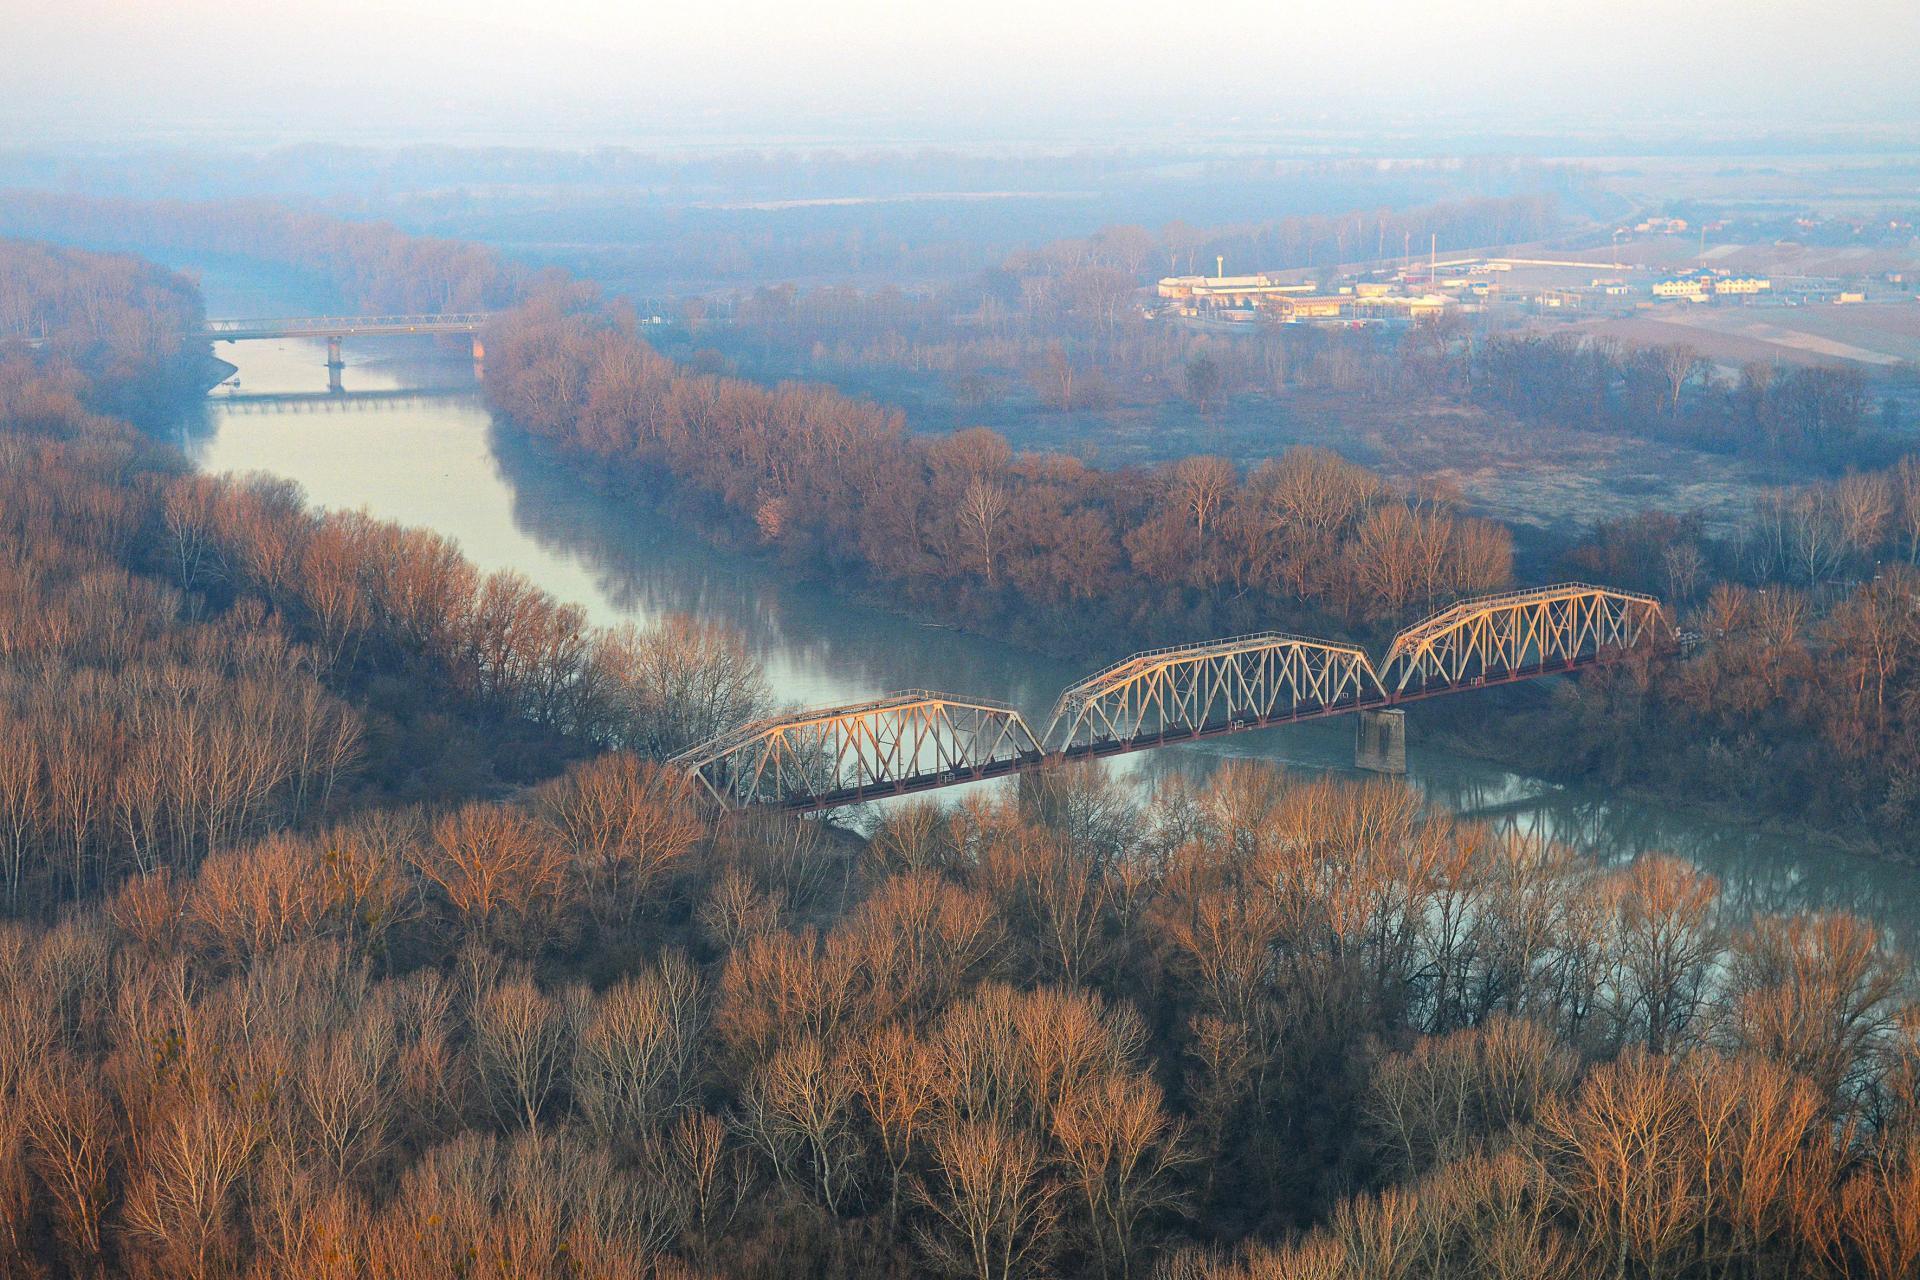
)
(1408, 138)
(862, 72)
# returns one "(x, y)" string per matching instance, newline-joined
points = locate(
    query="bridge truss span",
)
(918, 740)
(905, 742)
(1519, 634)
(1220, 686)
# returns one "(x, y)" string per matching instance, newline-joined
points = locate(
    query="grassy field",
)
(1523, 474)
(1879, 337)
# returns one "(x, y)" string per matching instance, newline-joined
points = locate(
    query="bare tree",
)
(983, 506)
(1680, 364)
(638, 1052)
(494, 866)
(1667, 948)
(896, 1081)
(679, 683)
(1123, 1153)
(798, 1110)
(345, 1089)
(523, 1043)
(993, 1207)
(182, 1199)
(626, 823)
(1618, 1153)
(73, 1147)
(1202, 485)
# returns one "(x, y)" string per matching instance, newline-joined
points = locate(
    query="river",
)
(439, 461)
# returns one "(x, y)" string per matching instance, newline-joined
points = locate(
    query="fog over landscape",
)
(754, 641)
(865, 70)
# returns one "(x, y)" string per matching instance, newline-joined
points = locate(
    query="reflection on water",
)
(438, 462)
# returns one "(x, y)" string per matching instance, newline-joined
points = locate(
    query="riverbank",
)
(216, 372)
(1494, 729)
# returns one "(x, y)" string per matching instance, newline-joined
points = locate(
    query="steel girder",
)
(904, 742)
(1219, 686)
(1517, 634)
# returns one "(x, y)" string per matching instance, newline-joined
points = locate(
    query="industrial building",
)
(1227, 291)
(1703, 288)
(1249, 297)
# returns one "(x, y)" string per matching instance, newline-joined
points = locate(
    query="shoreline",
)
(675, 503)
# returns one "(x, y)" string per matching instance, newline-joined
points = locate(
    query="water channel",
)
(438, 460)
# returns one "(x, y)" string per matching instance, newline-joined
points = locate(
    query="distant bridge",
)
(339, 401)
(920, 740)
(344, 326)
(337, 329)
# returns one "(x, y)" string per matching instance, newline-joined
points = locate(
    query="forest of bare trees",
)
(1259, 1027)
(961, 524)
(122, 326)
(1804, 695)
(1814, 413)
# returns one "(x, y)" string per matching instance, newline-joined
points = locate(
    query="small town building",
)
(1695, 290)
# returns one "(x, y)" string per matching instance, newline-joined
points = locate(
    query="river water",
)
(438, 461)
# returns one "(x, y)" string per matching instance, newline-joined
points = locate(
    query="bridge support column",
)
(334, 364)
(479, 359)
(1380, 741)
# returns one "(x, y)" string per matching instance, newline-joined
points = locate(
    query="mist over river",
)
(438, 460)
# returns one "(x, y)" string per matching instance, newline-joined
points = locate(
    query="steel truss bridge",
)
(919, 740)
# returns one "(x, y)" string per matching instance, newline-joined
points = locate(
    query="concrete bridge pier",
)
(334, 364)
(479, 359)
(1380, 741)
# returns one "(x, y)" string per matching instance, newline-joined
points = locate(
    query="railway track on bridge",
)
(919, 740)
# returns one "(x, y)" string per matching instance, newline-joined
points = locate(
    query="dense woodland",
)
(120, 325)
(281, 996)
(1038, 543)
(1805, 696)
(1815, 414)
(196, 660)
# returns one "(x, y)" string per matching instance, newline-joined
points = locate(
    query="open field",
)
(1522, 474)
(1781, 258)
(1831, 183)
(1876, 336)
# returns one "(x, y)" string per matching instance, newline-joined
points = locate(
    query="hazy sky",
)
(620, 71)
